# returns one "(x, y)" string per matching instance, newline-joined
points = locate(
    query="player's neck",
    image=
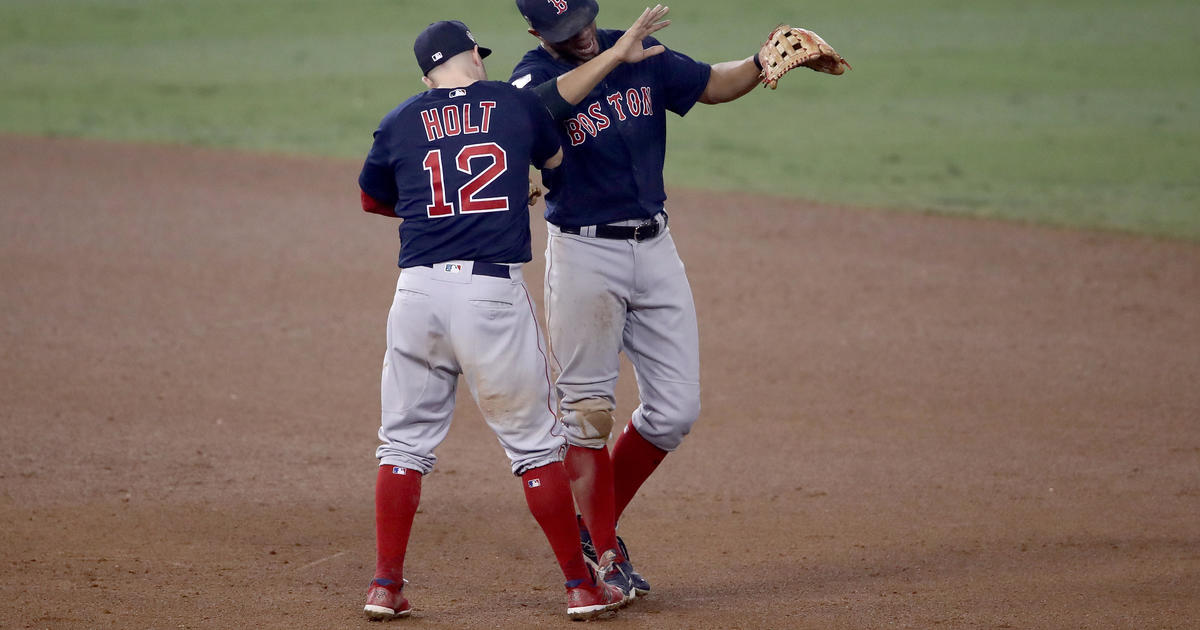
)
(461, 81)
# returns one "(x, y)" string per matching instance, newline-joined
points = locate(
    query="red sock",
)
(591, 475)
(397, 493)
(548, 494)
(633, 460)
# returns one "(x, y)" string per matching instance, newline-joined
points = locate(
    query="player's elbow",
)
(715, 94)
(374, 206)
(730, 81)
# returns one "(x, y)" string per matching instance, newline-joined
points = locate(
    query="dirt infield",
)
(909, 421)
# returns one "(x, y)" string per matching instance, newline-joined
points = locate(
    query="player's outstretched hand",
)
(629, 47)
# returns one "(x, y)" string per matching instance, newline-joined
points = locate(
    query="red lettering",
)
(487, 114)
(433, 124)
(438, 206)
(632, 98)
(646, 109)
(573, 131)
(602, 121)
(587, 124)
(466, 195)
(467, 128)
(450, 119)
(615, 101)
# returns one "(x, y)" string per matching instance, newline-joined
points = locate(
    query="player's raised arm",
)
(730, 80)
(570, 88)
(786, 48)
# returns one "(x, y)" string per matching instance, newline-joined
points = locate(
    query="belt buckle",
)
(651, 230)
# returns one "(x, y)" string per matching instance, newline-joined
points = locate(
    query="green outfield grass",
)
(1077, 113)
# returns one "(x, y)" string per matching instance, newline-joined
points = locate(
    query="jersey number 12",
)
(467, 202)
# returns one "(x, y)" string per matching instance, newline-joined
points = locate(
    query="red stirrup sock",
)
(633, 460)
(591, 473)
(548, 494)
(397, 493)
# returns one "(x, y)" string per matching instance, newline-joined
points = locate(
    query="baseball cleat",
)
(617, 574)
(585, 541)
(386, 601)
(640, 587)
(588, 599)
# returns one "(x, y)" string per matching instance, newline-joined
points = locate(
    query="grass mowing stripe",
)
(1077, 113)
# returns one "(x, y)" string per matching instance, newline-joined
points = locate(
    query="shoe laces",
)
(606, 564)
(609, 566)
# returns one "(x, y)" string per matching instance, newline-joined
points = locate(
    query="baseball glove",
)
(535, 192)
(787, 47)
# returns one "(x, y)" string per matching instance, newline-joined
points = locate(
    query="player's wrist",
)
(757, 62)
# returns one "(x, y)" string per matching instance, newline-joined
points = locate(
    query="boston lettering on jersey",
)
(614, 140)
(636, 101)
(452, 120)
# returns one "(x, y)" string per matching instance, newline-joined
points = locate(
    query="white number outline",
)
(467, 202)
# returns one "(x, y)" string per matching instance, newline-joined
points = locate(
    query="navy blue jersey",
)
(455, 164)
(615, 140)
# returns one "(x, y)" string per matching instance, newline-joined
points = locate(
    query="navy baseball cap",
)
(441, 41)
(558, 20)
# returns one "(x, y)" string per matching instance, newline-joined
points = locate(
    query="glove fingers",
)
(787, 47)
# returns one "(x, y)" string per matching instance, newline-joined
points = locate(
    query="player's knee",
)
(589, 422)
(665, 422)
(681, 406)
(689, 410)
(586, 442)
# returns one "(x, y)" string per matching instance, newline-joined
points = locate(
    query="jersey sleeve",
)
(531, 71)
(378, 176)
(375, 206)
(545, 133)
(683, 78)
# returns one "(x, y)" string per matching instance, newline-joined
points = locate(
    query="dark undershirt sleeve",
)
(558, 107)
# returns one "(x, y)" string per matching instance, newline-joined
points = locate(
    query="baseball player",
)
(452, 162)
(614, 281)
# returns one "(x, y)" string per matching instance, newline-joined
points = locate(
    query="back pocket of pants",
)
(491, 305)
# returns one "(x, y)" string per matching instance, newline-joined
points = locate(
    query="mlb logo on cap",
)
(442, 40)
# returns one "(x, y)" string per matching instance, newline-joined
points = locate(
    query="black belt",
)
(484, 269)
(646, 230)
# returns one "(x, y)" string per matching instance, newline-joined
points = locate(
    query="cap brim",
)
(567, 29)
